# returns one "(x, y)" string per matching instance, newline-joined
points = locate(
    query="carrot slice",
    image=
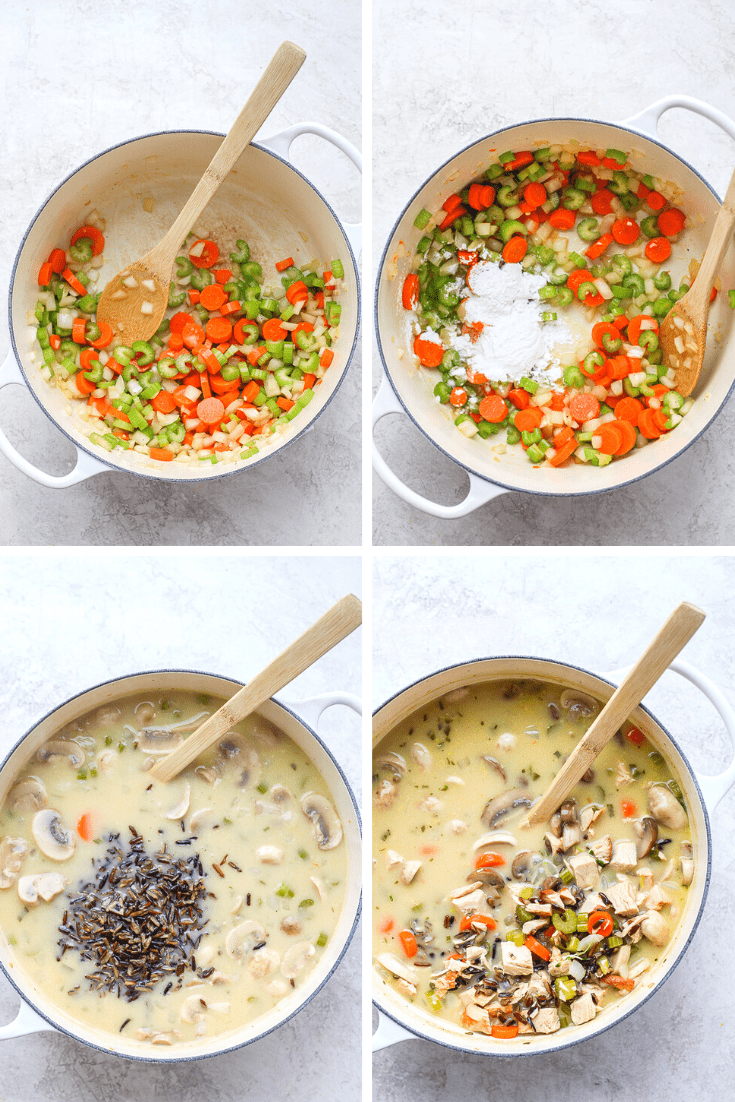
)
(611, 438)
(515, 249)
(208, 256)
(219, 330)
(584, 407)
(489, 860)
(601, 201)
(658, 249)
(628, 433)
(526, 420)
(223, 275)
(192, 334)
(635, 326)
(274, 331)
(562, 219)
(410, 291)
(281, 265)
(563, 453)
(212, 297)
(520, 398)
(598, 248)
(535, 194)
(493, 409)
(458, 397)
(164, 402)
(408, 941)
(178, 321)
(44, 274)
(84, 827)
(210, 411)
(430, 353)
(94, 236)
(452, 217)
(647, 426)
(163, 455)
(655, 200)
(628, 409)
(57, 260)
(504, 1031)
(626, 231)
(77, 330)
(671, 222)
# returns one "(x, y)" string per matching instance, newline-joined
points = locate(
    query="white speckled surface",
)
(445, 81)
(596, 612)
(59, 639)
(81, 76)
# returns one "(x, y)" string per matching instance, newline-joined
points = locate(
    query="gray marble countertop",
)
(58, 638)
(445, 82)
(438, 611)
(80, 77)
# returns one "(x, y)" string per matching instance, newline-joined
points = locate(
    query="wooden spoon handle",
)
(340, 621)
(283, 67)
(673, 636)
(718, 242)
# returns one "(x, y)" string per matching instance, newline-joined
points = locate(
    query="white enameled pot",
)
(404, 389)
(264, 200)
(399, 1019)
(298, 720)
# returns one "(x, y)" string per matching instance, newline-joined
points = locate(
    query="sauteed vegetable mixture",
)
(537, 293)
(233, 362)
(503, 930)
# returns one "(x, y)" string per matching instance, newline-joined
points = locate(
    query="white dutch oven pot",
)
(264, 200)
(399, 1019)
(38, 1012)
(404, 390)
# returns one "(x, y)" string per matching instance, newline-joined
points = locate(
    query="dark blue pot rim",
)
(580, 1040)
(470, 470)
(144, 474)
(242, 1044)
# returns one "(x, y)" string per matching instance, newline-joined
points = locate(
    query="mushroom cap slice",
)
(52, 838)
(45, 885)
(394, 763)
(28, 795)
(62, 748)
(646, 831)
(296, 958)
(159, 740)
(13, 852)
(234, 747)
(521, 866)
(421, 756)
(665, 808)
(324, 820)
(496, 838)
(502, 804)
(578, 703)
(244, 938)
(179, 810)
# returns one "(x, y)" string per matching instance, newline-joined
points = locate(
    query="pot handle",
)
(713, 788)
(86, 464)
(281, 144)
(647, 121)
(389, 1033)
(311, 709)
(480, 491)
(25, 1022)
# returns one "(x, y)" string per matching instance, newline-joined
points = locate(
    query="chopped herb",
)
(306, 903)
(321, 940)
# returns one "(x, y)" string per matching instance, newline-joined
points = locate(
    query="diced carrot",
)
(326, 357)
(208, 256)
(563, 453)
(218, 330)
(223, 275)
(229, 308)
(57, 260)
(584, 407)
(44, 274)
(163, 455)
(281, 265)
(212, 297)
(285, 403)
(430, 353)
(410, 294)
(408, 941)
(164, 402)
(84, 827)
(94, 235)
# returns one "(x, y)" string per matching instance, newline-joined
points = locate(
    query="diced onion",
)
(130, 281)
(146, 308)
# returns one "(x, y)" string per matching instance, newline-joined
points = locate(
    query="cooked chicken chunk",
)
(623, 897)
(624, 857)
(546, 1020)
(517, 959)
(585, 869)
(583, 1009)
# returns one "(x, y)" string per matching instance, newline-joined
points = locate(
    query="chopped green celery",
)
(529, 384)
(421, 220)
(566, 876)
(516, 936)
(337, 269)
(565, 988)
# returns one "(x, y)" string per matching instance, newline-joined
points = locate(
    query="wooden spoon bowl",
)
(683, 332)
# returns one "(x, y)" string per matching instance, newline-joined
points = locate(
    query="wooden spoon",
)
(135, 311)
(335, 625)
(692, 309)
(673, 636)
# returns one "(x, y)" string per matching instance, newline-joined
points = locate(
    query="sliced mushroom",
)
(13, 852)
(553, 843)
(179, 810)
(281, 794)
(421, 756)
(495, 764)
(62, 748)
(521, 867)
(296, 958)
(324, 820)
(159, 740)
(193, 1009)
(495, 838)
(106, 762)
(687, 871)
(646, 834)
(394, 763)
(578, 704)
(490, 879)
(45, 885)
(318, 884)
(269, 855)
(145, 713)
(665, 808)
(28, 795)
(208, 773)
(106, 715)
(291, 925)
(251, 768)
(555, 824)
(502, 804)
(263, 962)
(553, 710)
(262, 730)
(396, 967)
(568, 811)
(199, 818)
(243, 938)
(52, 838)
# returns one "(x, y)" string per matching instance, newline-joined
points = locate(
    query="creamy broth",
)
(240, 859)
(478, 919)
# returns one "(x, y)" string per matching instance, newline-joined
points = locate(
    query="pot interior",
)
(424, 1022)
(410, 381)
(343, 802)
(263, 200)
